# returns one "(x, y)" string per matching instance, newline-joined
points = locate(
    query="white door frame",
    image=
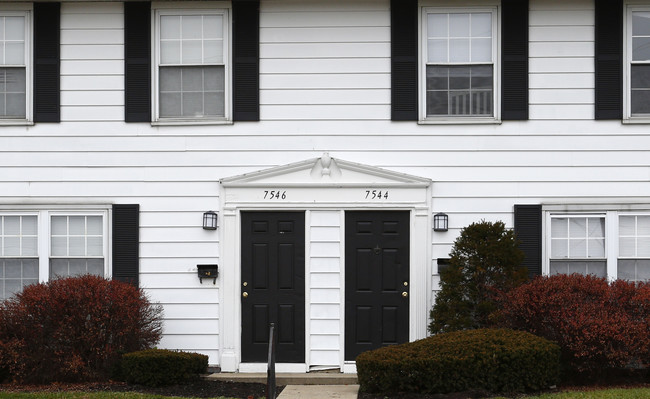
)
(313, 185)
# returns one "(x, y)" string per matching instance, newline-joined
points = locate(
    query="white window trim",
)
(630, 6)
(190, 8)
(43, 218)
(611, 214)
(105, 242)
(617, 235)
(25, 10)
(458, 7)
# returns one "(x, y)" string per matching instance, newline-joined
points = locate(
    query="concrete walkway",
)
(319, 392)
(314, 385)
(313, 378)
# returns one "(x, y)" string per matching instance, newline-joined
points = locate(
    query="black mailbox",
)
(208, 271)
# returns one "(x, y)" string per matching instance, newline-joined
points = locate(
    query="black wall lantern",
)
(440, 222)
(209, 220)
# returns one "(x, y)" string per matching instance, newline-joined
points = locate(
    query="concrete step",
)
(315, 378)
(320, 392)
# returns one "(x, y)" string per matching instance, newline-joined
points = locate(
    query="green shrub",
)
(156, 367)
(485, 262)
(495, 360)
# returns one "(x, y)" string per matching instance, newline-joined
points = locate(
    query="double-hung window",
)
(460, 55)
(18, 253)
(40, 245)
(605, 241)
(14, 65)
(637, 50)
(77, 245)
(578, 245)
(634, 247)
(191, 73)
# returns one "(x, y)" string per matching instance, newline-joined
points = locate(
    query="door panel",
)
(376, 280)
(273, 279)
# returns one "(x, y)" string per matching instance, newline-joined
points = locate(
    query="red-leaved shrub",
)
(74, 329)
(599, 326)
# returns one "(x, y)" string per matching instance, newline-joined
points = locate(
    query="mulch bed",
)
(483, 394)
(198, 389)
(403, 395)
(245, 390)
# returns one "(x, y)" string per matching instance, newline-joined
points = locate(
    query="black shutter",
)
(528, 227)
(137, 61)
(246, 55)
(126, 243)
(609, 59)
(404, 60)
(47, 64)
(514, 58)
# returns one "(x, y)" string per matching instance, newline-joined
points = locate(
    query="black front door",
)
(376, 280)
(273, 285)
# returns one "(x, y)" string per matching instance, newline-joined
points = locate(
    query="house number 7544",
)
(275, 194)
(376, 194)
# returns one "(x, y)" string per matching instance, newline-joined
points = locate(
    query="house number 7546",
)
(275, 194)
(376, 194)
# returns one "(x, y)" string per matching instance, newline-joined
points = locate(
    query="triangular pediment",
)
(326, 171)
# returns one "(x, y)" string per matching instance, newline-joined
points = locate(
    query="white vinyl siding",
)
(92, 62)
(326, 293)
(324, 62)
(561, 60)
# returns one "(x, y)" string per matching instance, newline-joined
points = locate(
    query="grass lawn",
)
(85, 395)
(617, 393)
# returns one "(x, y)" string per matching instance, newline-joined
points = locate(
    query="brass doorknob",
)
(245, 294)
(405, 294)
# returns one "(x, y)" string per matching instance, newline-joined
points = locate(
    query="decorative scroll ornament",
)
(326, 161)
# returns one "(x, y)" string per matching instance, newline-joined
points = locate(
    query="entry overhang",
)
(320, 184)
(338, 182)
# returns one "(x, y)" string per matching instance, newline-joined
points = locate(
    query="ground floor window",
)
(578, 245)
(38, 245)
(609, 243)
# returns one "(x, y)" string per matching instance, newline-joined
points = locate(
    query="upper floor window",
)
(637, 93)
(460, 68)
(191, 65)
(14, 65)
